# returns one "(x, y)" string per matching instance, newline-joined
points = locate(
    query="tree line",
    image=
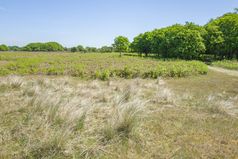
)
(218, 38)
(54, 47)
(80, 48)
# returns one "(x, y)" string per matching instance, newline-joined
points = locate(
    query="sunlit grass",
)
(96, 66)
(228, 64)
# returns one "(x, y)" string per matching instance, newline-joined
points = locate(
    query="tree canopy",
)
(121, 44)
(49, 46)
(219, 37)
(106, 49)
(4, 47)
(227, 25)
(177, 41)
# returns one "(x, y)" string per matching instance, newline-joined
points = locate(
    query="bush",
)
(103, 75)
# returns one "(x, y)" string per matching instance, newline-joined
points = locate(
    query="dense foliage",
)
(3, 48)
(121, 44)
(227, 30)
(14, 48)
(80, 48)
(50, 46)
(106, 49)
(218, 38)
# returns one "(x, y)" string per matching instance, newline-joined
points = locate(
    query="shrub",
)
(103, 75)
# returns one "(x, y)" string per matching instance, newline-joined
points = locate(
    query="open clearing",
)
(64, 117)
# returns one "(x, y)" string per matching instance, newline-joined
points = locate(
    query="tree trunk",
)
(120, 54)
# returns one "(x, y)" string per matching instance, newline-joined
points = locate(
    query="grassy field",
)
(60, 116)
(92, 66)
(64, 117)
(228, 64)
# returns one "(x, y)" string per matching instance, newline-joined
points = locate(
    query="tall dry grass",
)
(67, 118)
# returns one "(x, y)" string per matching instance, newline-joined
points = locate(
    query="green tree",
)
(53, 46)
(50, 46)
(80, 48)
(165, 39)
(193, 26)
(143, 43)
(187, 44)
(121, 44)
(91, 49)
(4, 47)
(228, 25)
(14, 48)
(74, 49)
(179, 41)
(214, 40)
(158, 40)
(106, 49)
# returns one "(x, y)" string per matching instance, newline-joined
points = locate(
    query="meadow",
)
(96, 65)
(72, 105)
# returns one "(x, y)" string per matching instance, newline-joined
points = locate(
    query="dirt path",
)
(226, 71)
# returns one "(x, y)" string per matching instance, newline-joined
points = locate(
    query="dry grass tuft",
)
(124, 121)
(70, 118)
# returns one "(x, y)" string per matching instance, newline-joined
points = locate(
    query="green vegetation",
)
(227, 26)
(14, 48)
(233, 65)
(79, 48)
(4, 48)
(102, 66)
(190, 41)
(177, 41)
(105, 49)
(50, 46)
(121, 44)
(131, 106)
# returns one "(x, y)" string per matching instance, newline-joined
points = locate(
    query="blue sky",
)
(97, 22)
